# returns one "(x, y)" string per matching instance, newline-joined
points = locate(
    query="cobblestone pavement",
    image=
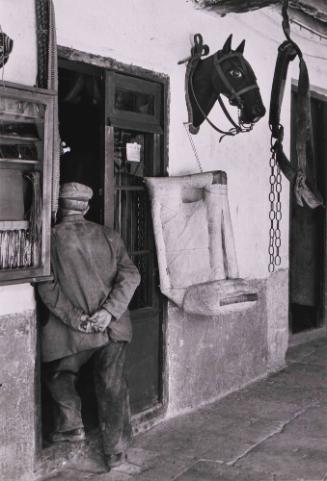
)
(273, 430)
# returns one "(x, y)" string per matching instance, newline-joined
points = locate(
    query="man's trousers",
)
(111, 392)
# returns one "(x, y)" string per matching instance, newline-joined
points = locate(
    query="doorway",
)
(81, 107)
(308, 234)
(102, 114)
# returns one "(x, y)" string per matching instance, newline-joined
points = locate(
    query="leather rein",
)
(234, 97)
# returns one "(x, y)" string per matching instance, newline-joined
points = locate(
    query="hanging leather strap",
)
(287, 52)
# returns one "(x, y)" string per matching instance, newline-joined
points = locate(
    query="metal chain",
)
(275, 213)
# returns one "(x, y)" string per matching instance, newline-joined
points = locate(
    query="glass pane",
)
(21, 130)
(128, 169)
(132, 101)
(15, 109)
(20, 225)
(132, 210)
(131, 218)
(21, 150)
(17, 150)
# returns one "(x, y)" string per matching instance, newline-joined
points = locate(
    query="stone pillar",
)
(277, 317)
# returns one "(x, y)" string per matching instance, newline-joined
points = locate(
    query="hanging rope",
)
(195, 152)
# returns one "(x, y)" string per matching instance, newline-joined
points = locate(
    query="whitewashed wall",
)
(17, 302)
(17, 19)
(156, 34)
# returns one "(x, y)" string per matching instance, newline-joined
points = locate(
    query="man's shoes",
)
(114, 460)
(68, 436)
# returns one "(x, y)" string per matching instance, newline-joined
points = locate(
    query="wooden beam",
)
(311, 23)
(316, 9)
(310, 14)
(222, 7)
(313, 12)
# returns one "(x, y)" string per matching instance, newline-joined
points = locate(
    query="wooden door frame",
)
(86, 61)
(309, 335)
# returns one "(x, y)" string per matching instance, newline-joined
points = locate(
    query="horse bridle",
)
(233, 93)
(234, 97)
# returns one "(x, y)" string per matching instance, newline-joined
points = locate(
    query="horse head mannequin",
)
(226, 72)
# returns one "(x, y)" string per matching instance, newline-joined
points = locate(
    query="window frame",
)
(45, 97)
(130, 119)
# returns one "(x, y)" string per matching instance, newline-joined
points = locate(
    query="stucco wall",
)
(17, 19)
(17, 396)
(155, 35)
(17, 303)
(212, 356)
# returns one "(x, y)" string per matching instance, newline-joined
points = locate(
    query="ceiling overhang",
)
(312, 13)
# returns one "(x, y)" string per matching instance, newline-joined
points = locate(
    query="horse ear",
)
(240, 48)
(228, 44)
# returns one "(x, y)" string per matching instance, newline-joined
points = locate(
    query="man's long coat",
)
(91, 270)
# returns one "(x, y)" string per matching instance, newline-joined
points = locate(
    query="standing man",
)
(93, 283)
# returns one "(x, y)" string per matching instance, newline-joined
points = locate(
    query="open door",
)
(112, 126)
(134, 149)
(308, 235)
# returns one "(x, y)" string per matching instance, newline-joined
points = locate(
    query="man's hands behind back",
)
(100, 320)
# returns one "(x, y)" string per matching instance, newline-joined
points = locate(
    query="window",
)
(133, 101)
(25, 183)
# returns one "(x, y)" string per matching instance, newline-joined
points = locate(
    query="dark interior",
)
(82, 129)
(307, 236)
(81, 108)
(81, 115)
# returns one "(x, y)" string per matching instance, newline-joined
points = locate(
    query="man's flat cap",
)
(74, 190)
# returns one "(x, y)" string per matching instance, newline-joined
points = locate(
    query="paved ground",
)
(274, 430)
